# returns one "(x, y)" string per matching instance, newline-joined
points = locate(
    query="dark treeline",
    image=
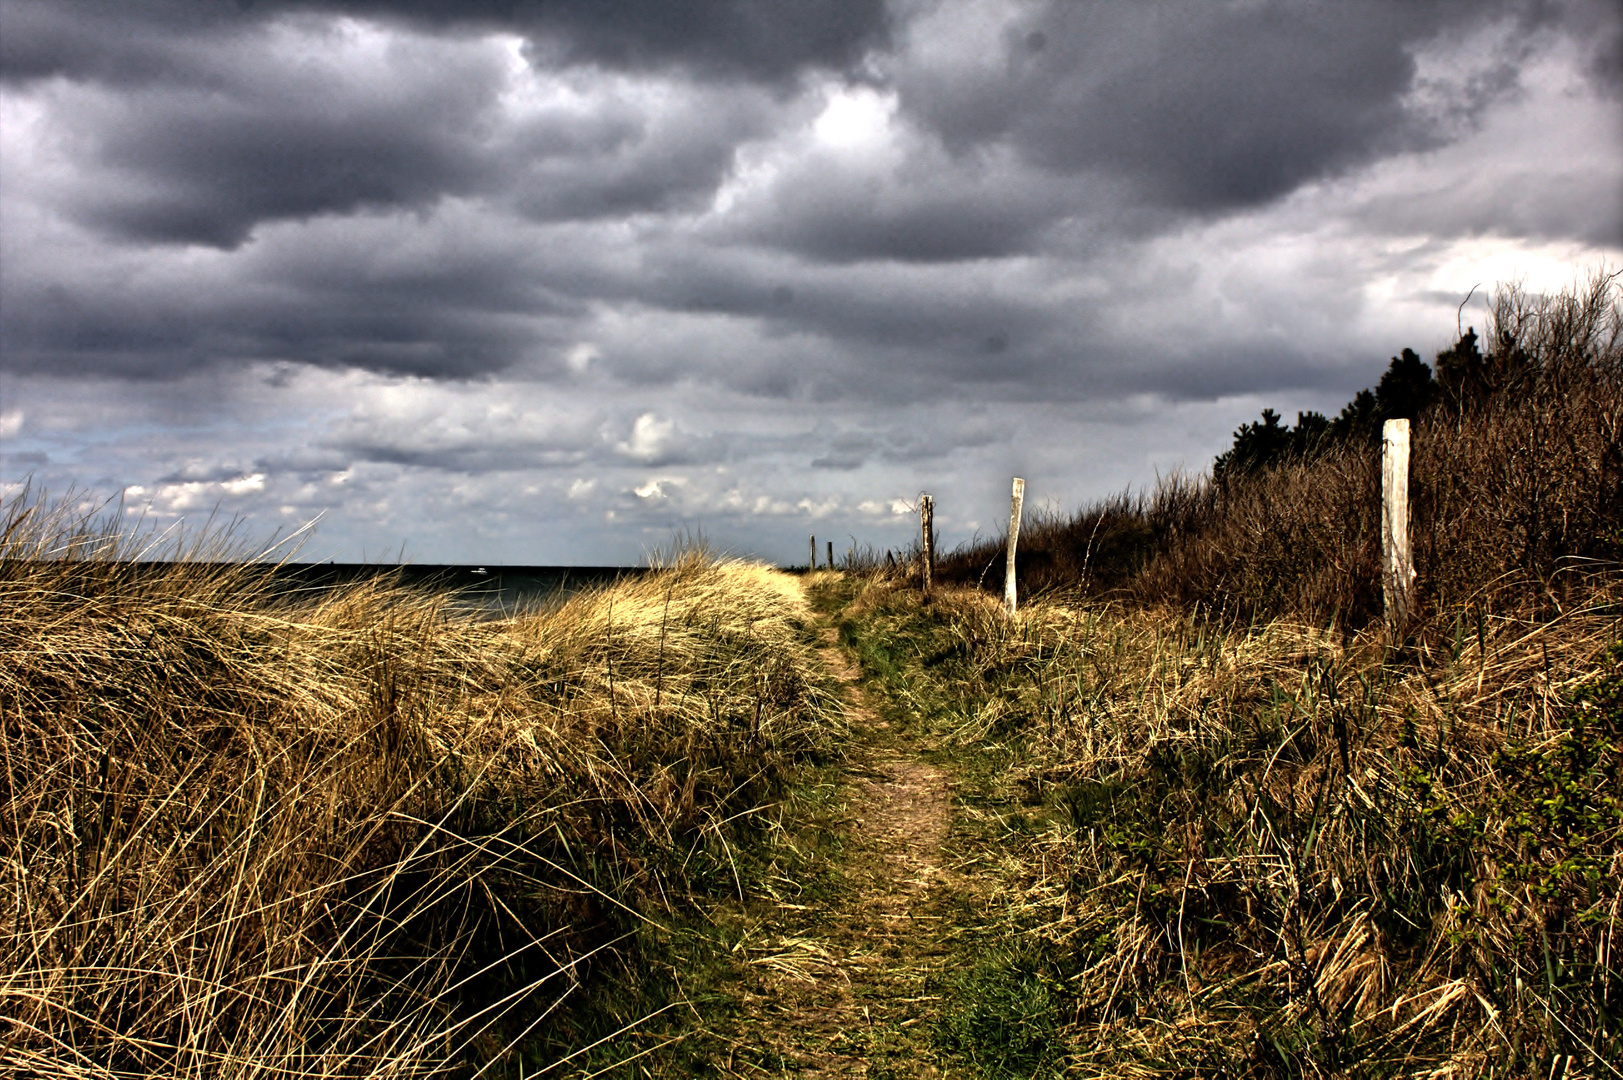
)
(1516, 481)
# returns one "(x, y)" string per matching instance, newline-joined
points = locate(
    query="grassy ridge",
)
(1517, 481)
(358, 834)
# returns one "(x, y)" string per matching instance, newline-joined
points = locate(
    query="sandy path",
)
(847, 993)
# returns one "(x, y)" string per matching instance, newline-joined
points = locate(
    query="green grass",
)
(1270, 850)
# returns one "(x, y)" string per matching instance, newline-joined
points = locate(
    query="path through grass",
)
(876, 949)
(842, 972)
(1129, 844)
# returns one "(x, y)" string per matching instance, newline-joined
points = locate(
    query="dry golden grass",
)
(1255, 831)
(247, 832)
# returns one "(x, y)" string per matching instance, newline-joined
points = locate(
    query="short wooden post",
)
(927, 537)
(811, 564)
(1397, 571)
(1014, 537)
(831, 554)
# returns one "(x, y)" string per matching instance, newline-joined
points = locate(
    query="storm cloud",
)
(136, 41)
(761, 265)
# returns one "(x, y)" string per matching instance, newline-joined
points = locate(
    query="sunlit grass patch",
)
(361, 832)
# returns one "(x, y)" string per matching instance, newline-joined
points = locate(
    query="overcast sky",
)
(513, 281)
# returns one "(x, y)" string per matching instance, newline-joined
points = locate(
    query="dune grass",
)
(248, 832)
(1214, 816)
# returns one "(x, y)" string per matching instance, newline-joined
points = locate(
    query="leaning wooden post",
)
(1014, 537)
(1397, 571)
(811, 563)
(927, 537)
(831, 554)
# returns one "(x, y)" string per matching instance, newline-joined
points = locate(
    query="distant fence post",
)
(927, 537)
(1014, 537)
(831, 554)
(1397, 571)
(811, 564)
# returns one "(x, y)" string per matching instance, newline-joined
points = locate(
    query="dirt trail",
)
(848, 991)
(905, 803)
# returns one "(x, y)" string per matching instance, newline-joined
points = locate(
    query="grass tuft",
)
(253, 832)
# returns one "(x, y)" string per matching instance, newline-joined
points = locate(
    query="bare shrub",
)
(1521, 481)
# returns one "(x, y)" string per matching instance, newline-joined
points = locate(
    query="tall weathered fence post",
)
(927, 537)
(1397, 571)
(1014, 537)
(811, 563)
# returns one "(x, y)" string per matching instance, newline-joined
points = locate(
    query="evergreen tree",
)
(1360, 420)
(1255, 445)
(1406, 388)
(1268, 442)
(1309, 435)
(1462, 372)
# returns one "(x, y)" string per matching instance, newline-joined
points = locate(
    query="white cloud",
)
(650, 438)
(879, 508)
(580, 356)
(651, 489)
(856, 120)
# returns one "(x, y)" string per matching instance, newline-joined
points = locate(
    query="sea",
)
(492, 590)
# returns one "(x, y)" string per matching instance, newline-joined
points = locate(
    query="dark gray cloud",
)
(936, 212)
(431, 312)
(436, 264)
(875, 331)
(123, 44)
(205, 164)
(262, 132)
(1599, 24)
(207, 126)
(229, 116)
(1210, 107)
(474, 456)
(846, 448)
(773, 40)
